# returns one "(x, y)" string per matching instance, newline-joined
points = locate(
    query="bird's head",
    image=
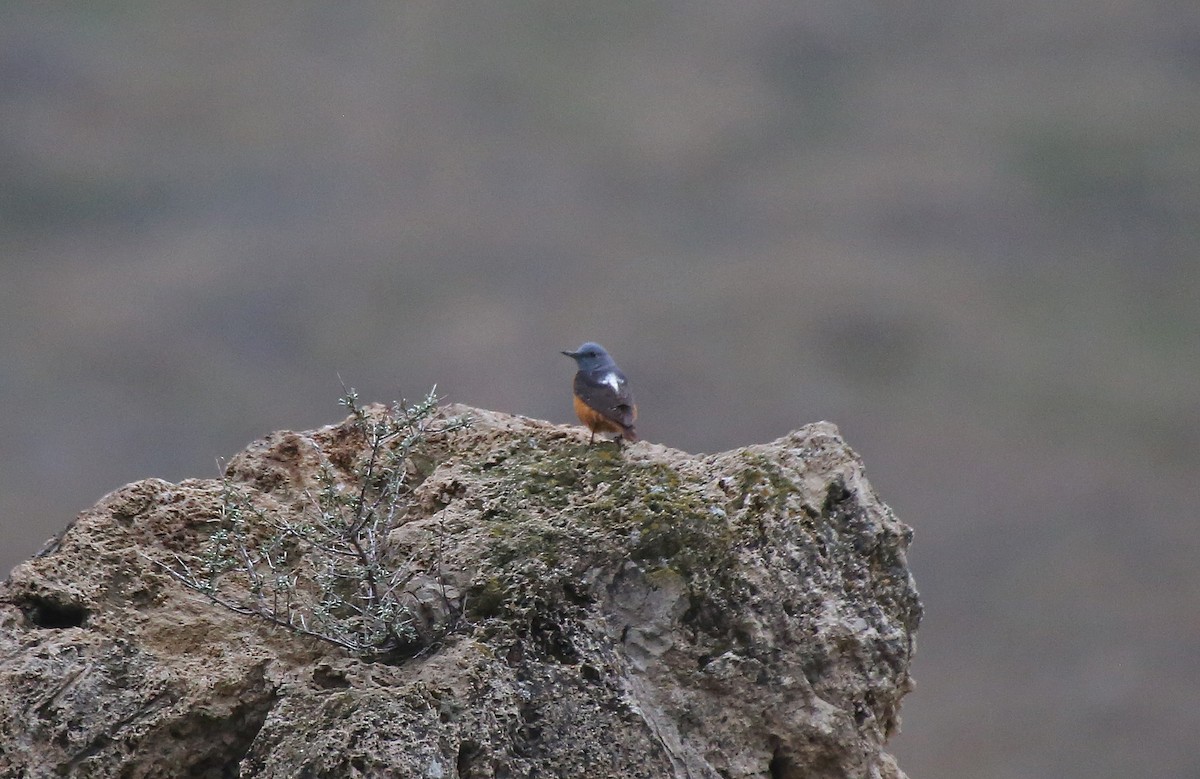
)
(590, 357)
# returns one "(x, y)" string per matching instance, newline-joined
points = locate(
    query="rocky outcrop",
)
(575, 612)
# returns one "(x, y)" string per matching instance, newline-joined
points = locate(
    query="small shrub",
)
(325, 570)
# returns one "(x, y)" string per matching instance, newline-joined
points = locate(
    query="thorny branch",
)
(326, 572)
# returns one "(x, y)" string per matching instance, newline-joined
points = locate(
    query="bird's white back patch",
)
(612, 380)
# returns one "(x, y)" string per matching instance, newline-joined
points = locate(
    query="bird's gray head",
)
(591, 357)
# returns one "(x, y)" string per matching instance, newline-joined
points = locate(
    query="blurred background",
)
(967, 233)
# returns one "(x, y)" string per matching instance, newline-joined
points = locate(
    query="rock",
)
(571, 612)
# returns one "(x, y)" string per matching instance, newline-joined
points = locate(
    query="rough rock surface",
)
(582, 613)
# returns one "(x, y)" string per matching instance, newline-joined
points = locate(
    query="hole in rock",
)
(53, 614)
(468, 751)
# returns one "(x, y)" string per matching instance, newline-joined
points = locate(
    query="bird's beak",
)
(572, 355)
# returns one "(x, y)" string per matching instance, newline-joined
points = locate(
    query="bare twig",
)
(326, 573)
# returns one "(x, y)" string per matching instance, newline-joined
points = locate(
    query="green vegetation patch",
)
(761, 486)
(560, 517)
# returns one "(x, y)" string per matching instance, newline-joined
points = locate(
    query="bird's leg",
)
(592, 440)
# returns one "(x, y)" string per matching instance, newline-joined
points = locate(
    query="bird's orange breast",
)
(594, 420)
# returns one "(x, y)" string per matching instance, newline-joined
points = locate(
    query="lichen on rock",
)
(578, 612)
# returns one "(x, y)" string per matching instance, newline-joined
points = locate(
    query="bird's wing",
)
(607, 391)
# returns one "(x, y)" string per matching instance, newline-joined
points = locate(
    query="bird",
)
(603, 402)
